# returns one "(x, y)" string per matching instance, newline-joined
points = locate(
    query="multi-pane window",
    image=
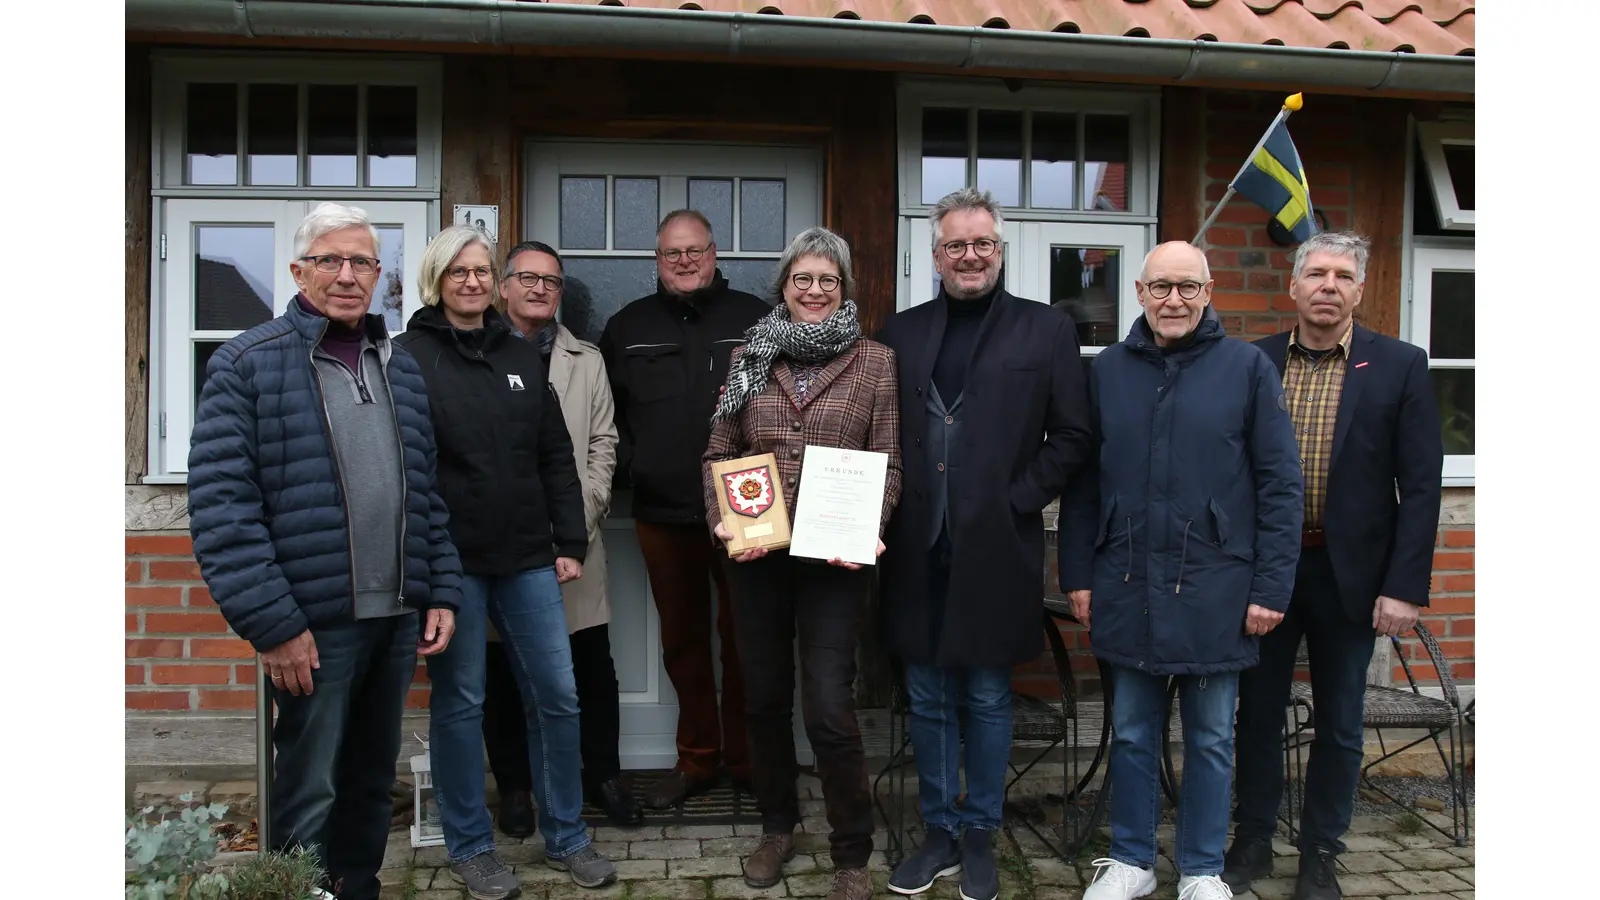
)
(312, 135)
(1057, 160)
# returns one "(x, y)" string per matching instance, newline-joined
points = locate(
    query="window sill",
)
(1460, 481)
(164, 479)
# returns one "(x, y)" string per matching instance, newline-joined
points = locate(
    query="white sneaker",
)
(1203, 887)
(1119, 881)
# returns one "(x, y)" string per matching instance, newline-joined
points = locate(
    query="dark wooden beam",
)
(862, 194)
(479, 146)
(136, 264)
(1378, 195)
(1181, 206)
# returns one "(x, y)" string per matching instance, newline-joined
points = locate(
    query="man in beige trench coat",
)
(532, 288)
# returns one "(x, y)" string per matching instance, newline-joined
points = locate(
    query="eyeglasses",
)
(458, 274)
(330, 264)
(958, 249)
(694, 253)
(552, 283)
(1188, 290)
(802, 281)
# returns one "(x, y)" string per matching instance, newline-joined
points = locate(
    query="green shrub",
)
(277, 876)
(170, 855)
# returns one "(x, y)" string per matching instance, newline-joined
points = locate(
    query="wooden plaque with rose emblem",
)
(750, 492)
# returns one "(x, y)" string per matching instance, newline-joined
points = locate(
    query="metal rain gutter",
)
(604, 29)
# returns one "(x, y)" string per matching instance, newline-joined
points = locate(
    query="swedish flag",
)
(1274, 180)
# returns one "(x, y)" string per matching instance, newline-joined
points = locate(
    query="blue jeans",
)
(1138, 715)
(1340, 650)
(335, 750)
(527, 611)
(936, 693)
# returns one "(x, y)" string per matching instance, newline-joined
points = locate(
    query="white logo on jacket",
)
(516, 382)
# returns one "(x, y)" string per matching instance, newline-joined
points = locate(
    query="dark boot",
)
(676, 787)
(618, 805)
(1244, 862)
(516, 814)
(1317, 879)
(980, 878)
(937, 857)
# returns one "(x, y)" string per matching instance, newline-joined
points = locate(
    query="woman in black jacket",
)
(507, 475)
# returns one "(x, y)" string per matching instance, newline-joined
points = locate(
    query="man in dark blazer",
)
(993, 421)
(1372, 456)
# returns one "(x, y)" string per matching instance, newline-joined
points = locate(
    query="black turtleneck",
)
(955, 351)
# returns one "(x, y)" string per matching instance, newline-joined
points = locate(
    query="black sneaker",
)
(980, 880)
(1246, 861)
(937, 857)
(1317, 879)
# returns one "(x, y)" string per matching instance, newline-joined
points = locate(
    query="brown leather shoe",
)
(673, 789)
(764, 868)
(850, 884)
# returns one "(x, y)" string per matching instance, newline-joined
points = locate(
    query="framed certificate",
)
(750, 493)
(840, 505)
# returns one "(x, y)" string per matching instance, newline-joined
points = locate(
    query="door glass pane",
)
(1084, 283)
(392, 136)
(635, 212)
(944, 152)
(1450, 334)
(597, 288)
(761, 223)
(233, 269)
(1453, 391)
(713, 197)
(272, 133)
(1459, 161)
(1055, 160)
(388, 298)
(1106, 145)
(331, 133)
(202, 355)
(1000, 155)
(583, 213)
(211, 133)
(753, 276)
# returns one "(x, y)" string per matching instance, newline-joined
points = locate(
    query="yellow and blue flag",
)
(1275, 180)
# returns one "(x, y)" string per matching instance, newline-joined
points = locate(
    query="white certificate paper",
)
(840, 505)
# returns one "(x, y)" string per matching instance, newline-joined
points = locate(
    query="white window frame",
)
(1433, 137)
(1427, 258)
(913, 94)
(415, 209)
(173, 72)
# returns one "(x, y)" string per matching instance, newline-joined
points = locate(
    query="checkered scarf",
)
(776, 333)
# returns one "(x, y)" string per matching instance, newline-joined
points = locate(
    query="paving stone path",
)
(1388, 857)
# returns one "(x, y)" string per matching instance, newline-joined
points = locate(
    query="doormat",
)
(723, 804)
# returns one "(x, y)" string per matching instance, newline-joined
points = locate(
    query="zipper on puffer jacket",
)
(1128, 575)
(1183, 558)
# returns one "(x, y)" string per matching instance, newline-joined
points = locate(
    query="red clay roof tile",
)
(1444, 27)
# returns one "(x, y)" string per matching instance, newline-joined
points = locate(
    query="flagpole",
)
(1290, 104)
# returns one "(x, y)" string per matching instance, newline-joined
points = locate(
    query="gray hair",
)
(967, 199)
(442, 251)
(821, 242)
(694, 214)
(1338, 243)
(329, 217)
(531, 247)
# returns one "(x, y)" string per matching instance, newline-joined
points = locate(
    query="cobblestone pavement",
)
(1388, 857)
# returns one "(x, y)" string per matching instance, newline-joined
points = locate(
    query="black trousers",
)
(1340, 650)
(774, 599)
(599, 719)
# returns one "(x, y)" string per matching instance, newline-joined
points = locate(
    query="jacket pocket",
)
(653, 371)
(1107, 513)
(1228, 541)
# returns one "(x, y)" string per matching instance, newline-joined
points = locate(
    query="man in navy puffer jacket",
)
(320, 532)
(1178, 551)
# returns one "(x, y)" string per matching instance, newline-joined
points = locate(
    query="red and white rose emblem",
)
(749, 491)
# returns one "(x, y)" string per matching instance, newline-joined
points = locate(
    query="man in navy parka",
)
(1178, 551)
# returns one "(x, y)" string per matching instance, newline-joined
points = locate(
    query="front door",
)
(598, 204)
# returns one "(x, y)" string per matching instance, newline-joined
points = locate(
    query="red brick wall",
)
(181, 657)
